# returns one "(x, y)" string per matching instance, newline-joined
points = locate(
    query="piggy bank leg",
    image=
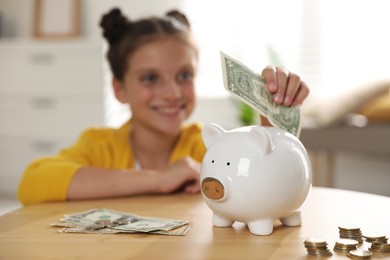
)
(261, 227)
(219, 221)
(294, 219)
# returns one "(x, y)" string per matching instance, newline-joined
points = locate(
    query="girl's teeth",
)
(168, 110)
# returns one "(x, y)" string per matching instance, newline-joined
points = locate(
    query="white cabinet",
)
(49, 93)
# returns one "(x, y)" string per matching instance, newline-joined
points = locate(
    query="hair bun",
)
(179, 17)
(114, 24)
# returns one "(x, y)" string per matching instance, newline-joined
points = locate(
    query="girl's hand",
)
(286, 87)
(183, 173)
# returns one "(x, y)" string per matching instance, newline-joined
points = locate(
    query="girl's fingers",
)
(282, 78)
(269, 75)
(293, 85)
(301, 95)
(286, 87)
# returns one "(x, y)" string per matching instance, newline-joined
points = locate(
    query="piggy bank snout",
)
(213, 188)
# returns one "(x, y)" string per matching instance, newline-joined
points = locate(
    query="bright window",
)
(336, 46)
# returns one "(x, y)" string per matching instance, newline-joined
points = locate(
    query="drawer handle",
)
(42, 58)
(43, 147)
(43, 102)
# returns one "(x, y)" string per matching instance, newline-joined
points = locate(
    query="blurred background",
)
(54, 80)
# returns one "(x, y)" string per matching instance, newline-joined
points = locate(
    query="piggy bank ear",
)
(263, 139)
(210, 133)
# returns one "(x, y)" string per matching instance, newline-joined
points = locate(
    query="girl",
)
(153, 62)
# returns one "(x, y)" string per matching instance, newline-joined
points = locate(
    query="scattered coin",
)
(359, 254)
(350, 239)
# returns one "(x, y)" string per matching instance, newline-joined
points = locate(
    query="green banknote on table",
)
(250, 88)
(106, 221)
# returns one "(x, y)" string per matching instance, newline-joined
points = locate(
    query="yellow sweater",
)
(48, 179)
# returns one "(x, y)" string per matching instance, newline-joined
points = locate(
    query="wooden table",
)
(25, 233)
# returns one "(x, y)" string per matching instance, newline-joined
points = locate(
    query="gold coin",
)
(317, 246)
(351, 228)
(361, 254)
(382, 248)
(347, 242)
(374, 236)
(315, 241)
(320, 254)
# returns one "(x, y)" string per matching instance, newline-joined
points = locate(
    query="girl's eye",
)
(150, 78)
(185, 76)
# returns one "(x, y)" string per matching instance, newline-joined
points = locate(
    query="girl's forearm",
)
(94, 183)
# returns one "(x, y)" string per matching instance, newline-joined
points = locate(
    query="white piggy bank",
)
(254, 175)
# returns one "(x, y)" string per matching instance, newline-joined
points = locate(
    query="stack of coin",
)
(380, 248)
(359, 254)
(351, 233)
(375, 238)
(344, 245)
(317, 246)
(378, 242)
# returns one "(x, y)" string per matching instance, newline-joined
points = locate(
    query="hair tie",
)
(179, 17)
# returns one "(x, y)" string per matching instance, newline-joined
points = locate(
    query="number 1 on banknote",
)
(250, 88)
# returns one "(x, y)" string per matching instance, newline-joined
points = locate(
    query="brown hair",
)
(125, 36)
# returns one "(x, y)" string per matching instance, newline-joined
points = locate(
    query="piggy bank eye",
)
(228, 164)
(212, 161)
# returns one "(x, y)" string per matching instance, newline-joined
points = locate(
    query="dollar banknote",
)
(250, 88)
(179, 231)
(106, 221)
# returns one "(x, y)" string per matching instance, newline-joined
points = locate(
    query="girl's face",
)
(159, 85)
